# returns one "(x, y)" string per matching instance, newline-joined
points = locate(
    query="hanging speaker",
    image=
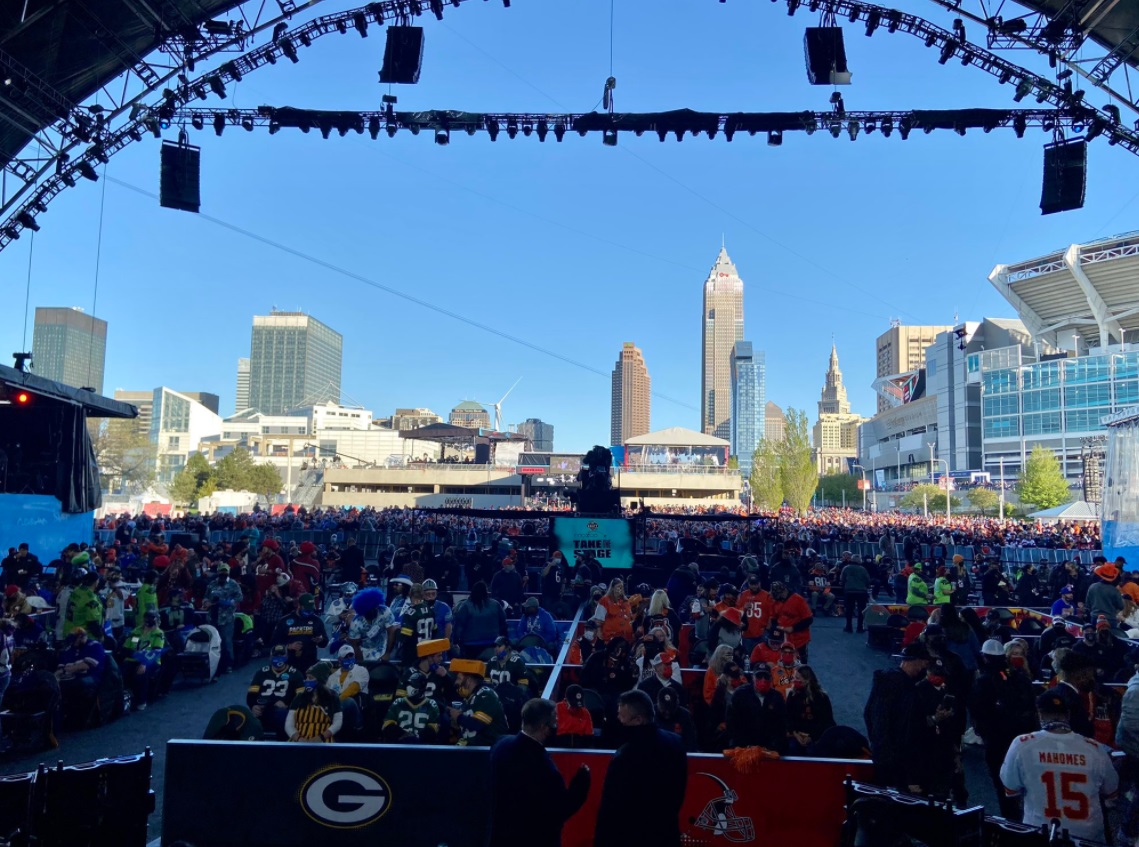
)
(826, 56)
(1065, 176)
(403, 55)
(179, 185)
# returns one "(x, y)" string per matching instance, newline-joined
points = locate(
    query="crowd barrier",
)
(367, 795)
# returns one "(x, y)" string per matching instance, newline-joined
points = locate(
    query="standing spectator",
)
(480, 718)
(673, 717)
(444, 619)
(84, 608)
(1076, 683)
(1127, 740)
(143, 650)
(855, 581)
(478, 622)
(938, 723)
(350, 567)
(20, 566)
(962, 581)
(223, 596)
(1104, 597)
(792, 617)
(663, 678)
(7, 647)
(530, 801)
(889, 716)
(507, 585)
(1065, 606)
(115, 602)
(1071, 792)
(942, 588)
(1028, 589)
(303, 633)
(917, 591)
(614, 613)
(648, 750)
(994, 586)
(368, 632)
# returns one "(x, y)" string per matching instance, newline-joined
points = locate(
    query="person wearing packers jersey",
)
(314, 716)
(1061, 774)
(416, 623)
(507, 666)
(273, 687)
(430, 657)
(413, 718)
(479, 717)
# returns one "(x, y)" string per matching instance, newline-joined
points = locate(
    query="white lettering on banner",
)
(345, 797)
(457, 503)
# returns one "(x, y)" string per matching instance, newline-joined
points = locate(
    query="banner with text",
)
(610, 540)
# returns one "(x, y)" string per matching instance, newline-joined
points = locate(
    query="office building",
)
(748, 402)
(242, 386)
(471, 415)
(835, 433)
(409, 419)
(901, 351)
(69, 346)
(178, 424)
(631, 400)
(294, 360)
(722, 326)
(539, 435)
(774, 423)
(144, 402)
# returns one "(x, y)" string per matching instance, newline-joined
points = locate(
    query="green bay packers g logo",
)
(345, 797)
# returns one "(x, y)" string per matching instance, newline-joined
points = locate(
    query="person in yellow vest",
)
(917, 592)
(942, 588)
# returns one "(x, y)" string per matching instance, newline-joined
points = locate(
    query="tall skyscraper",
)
(833, 400)
(836, 431)
(901, 349)
(69, 346)
(242, 385)
(749, 402)
(294, 360)
(632, 396)
(774, 423)
(540, 433)
(723, 326)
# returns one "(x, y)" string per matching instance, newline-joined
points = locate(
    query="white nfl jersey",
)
(1062, 775)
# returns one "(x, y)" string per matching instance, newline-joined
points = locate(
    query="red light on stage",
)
(23, 398)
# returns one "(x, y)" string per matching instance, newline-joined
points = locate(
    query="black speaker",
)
(826, 56)
(403, 55)
(180, 187)
(1065, 176)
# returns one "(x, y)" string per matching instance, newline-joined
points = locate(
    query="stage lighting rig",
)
(219, 123)
(87, 172)
(290, 50)
(775, 138)
(27, 222)
(442, 137)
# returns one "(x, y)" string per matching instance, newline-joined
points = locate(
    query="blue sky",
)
(574, 247)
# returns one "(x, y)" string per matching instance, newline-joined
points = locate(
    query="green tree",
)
(1042, 483)
(198, 466)
(265, 479)
(766, 486)
(834, 485)
(984, 500)
(235, 470)
(183, 490)
(797, 473)
(733, 463)
(931, 496)
(195, 481)
(125, 455)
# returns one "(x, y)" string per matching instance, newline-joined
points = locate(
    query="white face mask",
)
(588, 635)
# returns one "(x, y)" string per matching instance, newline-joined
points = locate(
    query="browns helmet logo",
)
(719, 815)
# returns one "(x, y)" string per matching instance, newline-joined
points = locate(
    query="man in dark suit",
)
(530, 801)
(649, 772)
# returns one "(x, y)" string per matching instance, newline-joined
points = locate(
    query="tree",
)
(183, 490)
(766, 487)
(927, 496)
(195, 481)
(265, 479)
(733, 463)
(125, 456)
(984, 500)
(797, 473)
(834, 485)
(1042, 483)
(234, 471)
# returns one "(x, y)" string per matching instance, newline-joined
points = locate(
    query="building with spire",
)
(722, 326)
(631, 396)
(836, 431)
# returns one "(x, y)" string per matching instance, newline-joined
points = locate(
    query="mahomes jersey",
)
(268, 687)
(413, 719)
(1063, 775)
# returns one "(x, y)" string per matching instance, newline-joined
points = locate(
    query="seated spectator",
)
(507, 666)
(582, 647)
(81, 667)
(757, 715)
(350, 683)
(439, 683)
(610, 672)
(84, 608)
(413, 718)
(674, 717)
(29, 634)
(819, 587)
(368, 632)
(314, 715)
(15, 602)
(728, 629)
(274, 686)
(615, 614)
(480, 718)
(142, 658)
(536, 621)
(809, 710)
(663, 676)
(715, 677)
(575, 723)
(1105, 651)
(767, 652)
(783, 671)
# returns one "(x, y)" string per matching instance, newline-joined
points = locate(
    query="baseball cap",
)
(575, 696)
(992, 647)
(531, 603)
(306, 601)
(345, 650)
(912, 652)
(430, 585)
(667, 697)
(223, 568)
(502, 641)
(1067, 589)
(762, 669)
(1050, 702)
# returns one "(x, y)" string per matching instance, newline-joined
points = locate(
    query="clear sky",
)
(573, 247)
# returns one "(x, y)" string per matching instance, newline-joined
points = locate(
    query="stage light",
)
(1042, 94)
(442, 137)
(792, 5)
(217, 86)
(930, 39)
(99, 154)
(853, 128)
(305, 38)
(959, 129)
(200, 90)
(813, 5)
(1019, 124)
(609, 137)
(376, 10)
(512, 127)
(775, 138)
(290, 51)
(437, 9)
(391, 130)
(196, 122)
(492, 129)
(233, 70)
(1005, 76)
(947, 51)
(870, 126)
(904, 127)
(559, 131)
(543, 130)
(373, 127)
(527, 129)
(271, 57)
(27, 222)
(1013, 27)
(966, 58)
(872, 21)
(1112, 112)
(68, 179)
(836, 128)
(1095, 129)
(895, 20)
(247, 124)
(361, 23)
(275, 126)
(854, 10)
(135, 133)
(23, 398)
(88, 172)
(12, 233)
(219, 122)
(1023, 89)
(959, 30)
(414, 129)
(341, 27)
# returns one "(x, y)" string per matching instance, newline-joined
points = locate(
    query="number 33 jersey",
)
(1062, 775)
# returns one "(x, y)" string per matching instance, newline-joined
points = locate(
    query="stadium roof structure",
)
(1087, 289)
(676, 436)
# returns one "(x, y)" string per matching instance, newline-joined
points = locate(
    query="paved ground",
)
(844, 663)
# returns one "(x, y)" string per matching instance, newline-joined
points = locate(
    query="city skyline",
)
(295, 360)
(722, 325)
(69, 346)
(630, 396)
